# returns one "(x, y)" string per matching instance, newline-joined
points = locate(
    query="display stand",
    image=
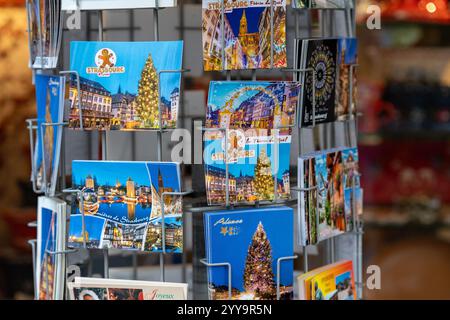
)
(103, 142)
(74, 77)
(353, 115)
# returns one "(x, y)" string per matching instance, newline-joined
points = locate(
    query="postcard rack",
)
(353, 115)
(357, 227)
(32, 127)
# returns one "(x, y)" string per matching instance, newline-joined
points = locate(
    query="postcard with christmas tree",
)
(251, 241)
(329, 176)
(125, 85)
(319, 55)
(50, 105)
(252, 104)
(247, 34)
(51, 238)
(121, 205)
(346, 84)
(322, 4)
(116, 289)
(255, 162)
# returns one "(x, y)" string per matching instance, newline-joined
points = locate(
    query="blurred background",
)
(403, 138)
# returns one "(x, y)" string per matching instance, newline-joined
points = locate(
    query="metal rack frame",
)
(357, 227)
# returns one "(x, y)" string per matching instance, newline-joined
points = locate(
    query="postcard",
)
(251, 241)
(114, 289)
(125, 85)
(308, 202)
(324, 203)
(51, 231)
(122, 203)
(331, 282)
(258, 116)
(252, 104)
(242, 39)
(33, 18)
(257, 162)
(44, 32)
(115, 4)
(346, 85)
(336, 283)
(330, 182)
(50, 107)
(352, 187)
(319, 55)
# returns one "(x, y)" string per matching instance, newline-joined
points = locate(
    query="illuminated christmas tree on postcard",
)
(252, 241)
(125, 85)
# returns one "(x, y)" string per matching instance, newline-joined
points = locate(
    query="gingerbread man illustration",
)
(105, 57)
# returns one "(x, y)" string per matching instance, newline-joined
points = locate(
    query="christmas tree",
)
(147, 100)
(258, 274)
(264, 183)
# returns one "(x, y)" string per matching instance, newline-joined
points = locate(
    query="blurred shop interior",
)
(404, 139)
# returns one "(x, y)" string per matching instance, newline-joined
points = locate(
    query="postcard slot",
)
(279, 260)
(32, 128)
(354, 204)
(353, 113)
(315, 189)
(46, 270)
(77, 77)
(33, 244)
(80, 195)
(163, 231)
(227, 178)
(163, 227)
(313, 73)
(223, 264)
(44, 165)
